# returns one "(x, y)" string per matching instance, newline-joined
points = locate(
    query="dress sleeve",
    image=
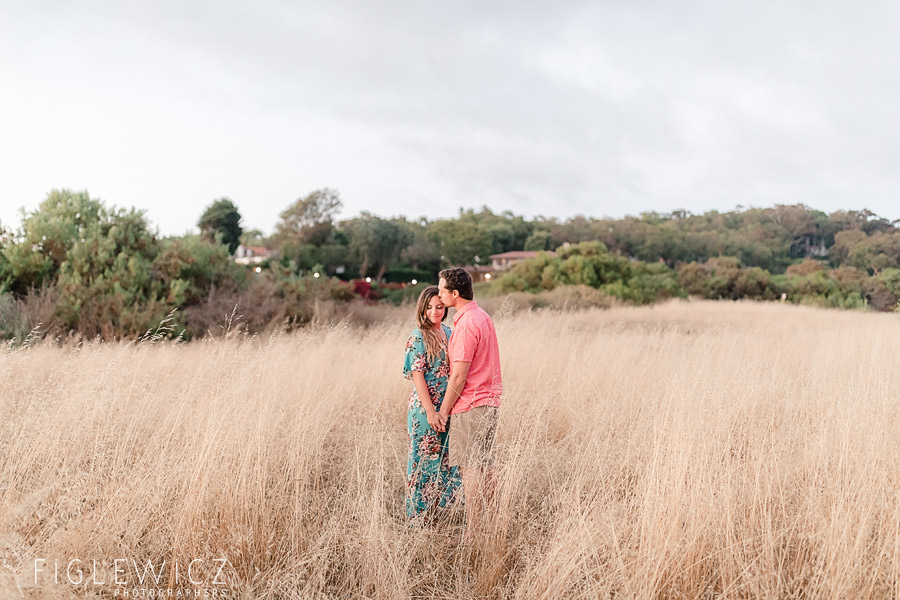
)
(415, 358)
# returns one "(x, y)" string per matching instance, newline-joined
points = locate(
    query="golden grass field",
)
(686, 450)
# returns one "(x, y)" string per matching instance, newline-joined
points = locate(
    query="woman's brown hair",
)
(434, 342)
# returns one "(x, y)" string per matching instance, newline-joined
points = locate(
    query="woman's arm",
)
(458, 374)
(425, 399)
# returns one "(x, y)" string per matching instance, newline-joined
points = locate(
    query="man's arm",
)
(458, 373)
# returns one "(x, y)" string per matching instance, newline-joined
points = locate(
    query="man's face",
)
(447, 297)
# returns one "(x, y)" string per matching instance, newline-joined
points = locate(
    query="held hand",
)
(445, 418)
(435, 420)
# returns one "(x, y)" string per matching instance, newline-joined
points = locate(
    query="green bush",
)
(533, 275)
(106, 282)
(397, 275)
(190, 266)
(33, 255)
(725, 278)
(651, 283)
(590, 264)
(882, 290)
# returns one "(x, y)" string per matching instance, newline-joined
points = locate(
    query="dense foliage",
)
(75, 265)
(221, 222)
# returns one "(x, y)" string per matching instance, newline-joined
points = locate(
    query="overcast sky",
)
(419, 108)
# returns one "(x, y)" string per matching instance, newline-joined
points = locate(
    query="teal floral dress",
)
(430, 481)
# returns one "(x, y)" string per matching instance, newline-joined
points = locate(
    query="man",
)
(473, 390)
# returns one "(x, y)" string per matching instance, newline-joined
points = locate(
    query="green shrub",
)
(407, 275)
(590, 264)
(882, 291)
(725, 278)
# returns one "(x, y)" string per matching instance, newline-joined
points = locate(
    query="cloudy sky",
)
(419, 108)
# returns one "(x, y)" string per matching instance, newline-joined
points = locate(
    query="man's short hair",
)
(457, 279)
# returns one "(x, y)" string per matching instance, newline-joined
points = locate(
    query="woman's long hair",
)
(434, 341)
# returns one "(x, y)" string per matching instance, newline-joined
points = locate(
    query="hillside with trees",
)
(77, 266)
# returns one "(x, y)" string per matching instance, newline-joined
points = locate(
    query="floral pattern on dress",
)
(430, 481)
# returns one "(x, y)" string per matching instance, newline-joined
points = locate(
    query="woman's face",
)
(435, 310)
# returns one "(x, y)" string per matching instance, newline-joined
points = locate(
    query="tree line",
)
(76, 265)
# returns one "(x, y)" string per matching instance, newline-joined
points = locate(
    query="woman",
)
(430, 481)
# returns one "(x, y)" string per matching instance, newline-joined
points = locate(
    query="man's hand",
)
(437, 422)
(445, 418)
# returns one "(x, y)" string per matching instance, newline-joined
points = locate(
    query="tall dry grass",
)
(690, 450)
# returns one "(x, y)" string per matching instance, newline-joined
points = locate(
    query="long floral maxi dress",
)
(430, 480)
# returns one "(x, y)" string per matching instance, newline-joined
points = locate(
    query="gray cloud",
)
(418, 108)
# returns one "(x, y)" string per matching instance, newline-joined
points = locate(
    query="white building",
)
(253, 255)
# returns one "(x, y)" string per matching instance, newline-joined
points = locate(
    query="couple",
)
(456, 374)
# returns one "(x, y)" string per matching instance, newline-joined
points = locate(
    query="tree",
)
(253, 237)
(845, 243)
(326, 258)
(537, 241)
(309, 220)
(376, 242)
(725, 278)
(507, 232)
(883, 290)
(32, 257)
(221, 221)
(420, 254)
(190, 267)
(459, 242)
(107, 286)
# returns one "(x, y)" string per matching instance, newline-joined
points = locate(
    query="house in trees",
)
(506, 260)
(499, 263)
(253, 255)
(809, 246)
(479, 272)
